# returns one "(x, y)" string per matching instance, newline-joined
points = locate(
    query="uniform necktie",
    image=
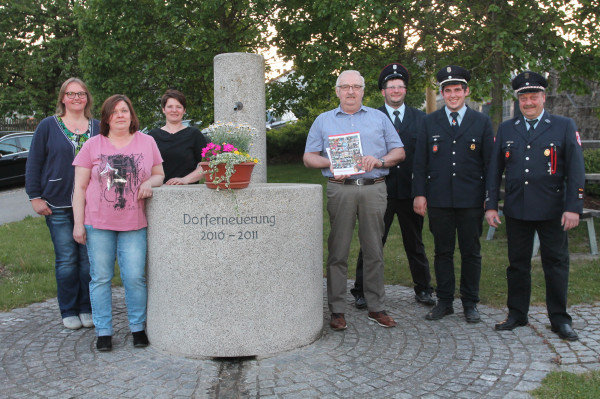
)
(454, 122)
(532, 123)
(397, 121)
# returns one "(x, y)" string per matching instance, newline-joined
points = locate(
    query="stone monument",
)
(236, 274)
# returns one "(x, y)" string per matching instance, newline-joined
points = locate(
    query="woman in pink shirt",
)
(114, 174)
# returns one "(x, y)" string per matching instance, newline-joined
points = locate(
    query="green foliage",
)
(240, 136)
(563, 385)
(492, 39)
(591, 160)
(142, 48)
(39, 44)
(324, 38)
(287, 143)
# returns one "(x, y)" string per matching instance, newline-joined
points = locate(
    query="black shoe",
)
(472, 314)
(440, 310)
(140, 340)
(360, 302)
(104, 343)
(425, 298)
(565, 331)
(509, 324)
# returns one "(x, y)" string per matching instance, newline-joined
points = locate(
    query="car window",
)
(25, 142)
(9, 146)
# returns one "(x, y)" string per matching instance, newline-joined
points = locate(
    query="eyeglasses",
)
(347, 87)
(395, 87)
(79, 94)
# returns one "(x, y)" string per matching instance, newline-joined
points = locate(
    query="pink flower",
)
(229, 148)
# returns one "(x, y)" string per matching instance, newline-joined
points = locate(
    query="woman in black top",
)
(180, 146)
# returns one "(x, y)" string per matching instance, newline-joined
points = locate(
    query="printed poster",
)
(345, 152)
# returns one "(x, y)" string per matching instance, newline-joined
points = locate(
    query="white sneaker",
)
(86, 320)
(72, 322)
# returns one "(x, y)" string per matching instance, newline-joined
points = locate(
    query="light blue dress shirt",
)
(461, 114)
(377, 135)
(539, 118)
(391, 110)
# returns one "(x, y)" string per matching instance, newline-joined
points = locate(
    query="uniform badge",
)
(472, 147)
(547, 152)
(507, 154)
(434, 148)
(580, 193)
(578, 138)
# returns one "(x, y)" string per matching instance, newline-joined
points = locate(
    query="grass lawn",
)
(563, 385)
(27, 271)
(583, 286)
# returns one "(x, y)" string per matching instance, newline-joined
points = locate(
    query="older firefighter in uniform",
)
(541, 157)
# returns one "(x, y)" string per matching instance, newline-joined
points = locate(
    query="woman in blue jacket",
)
(49, 184)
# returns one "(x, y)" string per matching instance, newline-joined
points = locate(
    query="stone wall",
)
(584, 110)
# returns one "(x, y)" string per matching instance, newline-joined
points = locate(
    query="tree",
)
(142, 48)
(493, 39)
(324, 38)
(498, 38)
(39, 52)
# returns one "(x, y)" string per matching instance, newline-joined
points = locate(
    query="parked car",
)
(275, 122)
(14, 149)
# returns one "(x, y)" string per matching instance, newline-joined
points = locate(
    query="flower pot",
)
(239, 179)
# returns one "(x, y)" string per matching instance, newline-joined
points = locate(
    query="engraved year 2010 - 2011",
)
(221, 235)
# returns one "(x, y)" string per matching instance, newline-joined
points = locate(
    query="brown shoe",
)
(338, 322)
(382, 319)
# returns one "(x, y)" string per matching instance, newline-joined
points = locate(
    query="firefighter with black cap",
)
(541, 157)
(393, 83)
(451, 159)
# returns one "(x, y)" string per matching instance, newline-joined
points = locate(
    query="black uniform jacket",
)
(399, 180)
(450, 170)
(544, 170)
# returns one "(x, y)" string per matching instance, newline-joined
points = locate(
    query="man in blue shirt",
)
(361, 196)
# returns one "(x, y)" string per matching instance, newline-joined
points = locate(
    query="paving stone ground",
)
(449, 358)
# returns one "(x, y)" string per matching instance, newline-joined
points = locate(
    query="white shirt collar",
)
(391, 110)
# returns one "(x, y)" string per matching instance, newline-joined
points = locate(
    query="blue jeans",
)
(72, 266)
(129, 247)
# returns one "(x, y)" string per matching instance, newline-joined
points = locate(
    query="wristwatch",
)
(382, 162)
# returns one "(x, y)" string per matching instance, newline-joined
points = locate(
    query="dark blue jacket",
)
(450, 171)
(50, 174)
(537, 188)
(399, 180)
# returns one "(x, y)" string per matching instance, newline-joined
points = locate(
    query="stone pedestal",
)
(235, 274)
(240, 98)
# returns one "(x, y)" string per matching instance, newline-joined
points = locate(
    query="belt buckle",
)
(359, 182)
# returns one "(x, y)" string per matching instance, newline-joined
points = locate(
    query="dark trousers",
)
(411, 226)
(554, 248)
(445, 225)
